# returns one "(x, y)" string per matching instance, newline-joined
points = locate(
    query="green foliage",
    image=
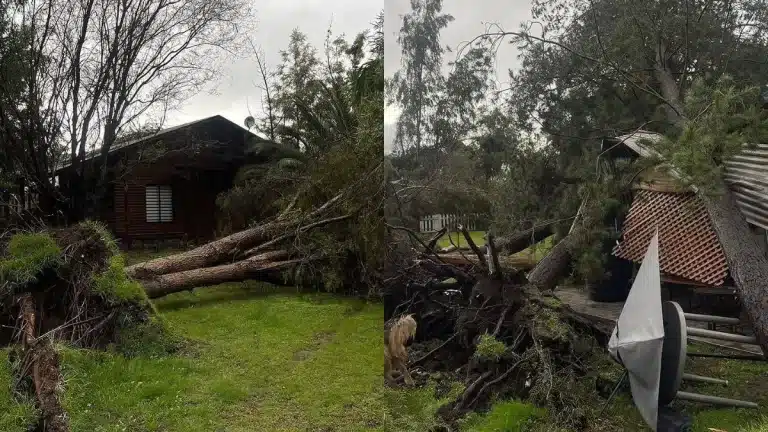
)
(17, 413)
(723, 119)
(101, 230)
(549, 325)
(506, 416)
(416, 409)
(489, 348)
(27, 256)
(115, 286)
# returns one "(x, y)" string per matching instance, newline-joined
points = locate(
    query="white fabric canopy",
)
(637, 340)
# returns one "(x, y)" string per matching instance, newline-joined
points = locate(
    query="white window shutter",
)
(159, 204)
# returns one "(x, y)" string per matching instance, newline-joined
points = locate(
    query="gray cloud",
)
(470, 20)
(232, 94)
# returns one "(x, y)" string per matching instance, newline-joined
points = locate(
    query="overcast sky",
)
(470, 20)
(235, 91)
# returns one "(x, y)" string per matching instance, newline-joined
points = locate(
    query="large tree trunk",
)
(265, 267)
(551, 268)
(746, 261)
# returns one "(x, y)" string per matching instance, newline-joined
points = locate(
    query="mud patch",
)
(318, 341)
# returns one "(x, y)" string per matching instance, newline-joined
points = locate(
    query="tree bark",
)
(206, 255)
(746, 261)
(516, 242)
(551, 268)
(43, 368)
(265, 267)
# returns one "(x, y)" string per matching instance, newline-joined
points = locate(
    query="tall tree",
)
(98, 67)
(415, 87)
(296, 81)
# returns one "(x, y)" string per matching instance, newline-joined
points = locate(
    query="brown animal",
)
(396, 335)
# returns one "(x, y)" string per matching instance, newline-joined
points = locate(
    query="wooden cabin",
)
(164, 186)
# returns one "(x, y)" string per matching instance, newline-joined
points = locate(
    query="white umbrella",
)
(637, 340)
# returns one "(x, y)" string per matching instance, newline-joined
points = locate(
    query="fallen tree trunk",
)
(746, 261)
(208, 254)
(264, 267)
(225, 248)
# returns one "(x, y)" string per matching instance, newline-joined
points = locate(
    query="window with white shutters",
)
(159, 204)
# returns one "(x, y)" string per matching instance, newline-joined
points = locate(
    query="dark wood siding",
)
(197, 161)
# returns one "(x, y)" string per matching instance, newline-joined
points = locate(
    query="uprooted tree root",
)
(501, 336)
(67, 286)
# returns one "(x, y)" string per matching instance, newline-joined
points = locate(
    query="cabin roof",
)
(123, 144)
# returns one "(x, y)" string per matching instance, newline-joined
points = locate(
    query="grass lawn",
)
(260, 358)
(459, 240)
(269, 361)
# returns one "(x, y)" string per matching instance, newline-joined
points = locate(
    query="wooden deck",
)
(579, 301)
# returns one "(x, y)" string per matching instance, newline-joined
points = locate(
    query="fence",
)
(436, 222)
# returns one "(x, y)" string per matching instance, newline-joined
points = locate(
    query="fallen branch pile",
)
(547, 351)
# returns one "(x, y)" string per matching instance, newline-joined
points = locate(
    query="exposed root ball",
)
(77, 281)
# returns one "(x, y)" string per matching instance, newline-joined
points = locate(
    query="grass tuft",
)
(27, 256)
(115, 286)
(17, 414)
(506, 416)
(489, 348)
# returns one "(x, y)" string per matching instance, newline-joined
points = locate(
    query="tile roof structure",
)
(688, 245)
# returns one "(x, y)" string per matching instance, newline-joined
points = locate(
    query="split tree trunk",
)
(42, 365)
(206, 255)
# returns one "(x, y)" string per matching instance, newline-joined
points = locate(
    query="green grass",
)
(505, 416)
(408, 410)
(538, 251)
(15, 416)
(459, 240)
(272, 362)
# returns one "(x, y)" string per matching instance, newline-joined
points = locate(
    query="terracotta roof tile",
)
(688, 245)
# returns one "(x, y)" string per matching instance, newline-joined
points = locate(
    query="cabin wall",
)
(193, 199)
